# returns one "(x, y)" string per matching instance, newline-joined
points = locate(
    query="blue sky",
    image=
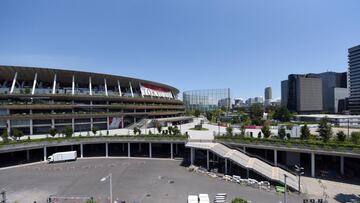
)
(191, 44)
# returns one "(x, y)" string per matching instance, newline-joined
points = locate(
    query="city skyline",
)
(228, 44)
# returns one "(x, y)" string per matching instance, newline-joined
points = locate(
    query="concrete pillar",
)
(172, 150)
(312, 164)
(45, 154)
(226, 166)
(107, 121)
(192, 155)
(342, 165)
(31, 126)
(150, 150)
(244, 149)
(128, 149)
(91, 123)
(8, 123)
(106, 149)
(81, 150)
(207, 160)
(275, 157)
(27, 155)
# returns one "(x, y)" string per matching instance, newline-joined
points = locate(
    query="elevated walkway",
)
(261, 167)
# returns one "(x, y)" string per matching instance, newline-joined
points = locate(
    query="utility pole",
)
(300, 172)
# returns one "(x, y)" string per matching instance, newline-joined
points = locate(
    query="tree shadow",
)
(344, 198)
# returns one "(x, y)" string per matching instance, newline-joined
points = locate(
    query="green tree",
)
(53, 132)
(305, 132)
(282, 132)
(197, 113)
(5, 136)
(159, 128)
(259, 135)
(67, 131)
(17, 134)
(256, 114)
(266, 130)
(242, 130)
(94, 130)
(355, 137)
(340, 136)
(229, 130)
(170, 129)
(324, 129)
(282, 114)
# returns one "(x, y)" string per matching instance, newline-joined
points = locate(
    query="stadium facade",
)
(34, 100)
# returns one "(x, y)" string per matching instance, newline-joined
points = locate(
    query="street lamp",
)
(300, 172)
(110, 180)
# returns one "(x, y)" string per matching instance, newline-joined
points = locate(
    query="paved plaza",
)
(142, 180)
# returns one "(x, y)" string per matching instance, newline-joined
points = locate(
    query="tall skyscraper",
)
(354, 78)
(268, 96)
(268, 93)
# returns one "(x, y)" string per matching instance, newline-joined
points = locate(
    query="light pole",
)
(300, 172)
(285, 190)
(110, 180)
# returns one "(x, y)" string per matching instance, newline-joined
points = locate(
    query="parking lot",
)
(142, 180)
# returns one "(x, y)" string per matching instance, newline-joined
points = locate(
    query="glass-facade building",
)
(207, 100)
(354, 79)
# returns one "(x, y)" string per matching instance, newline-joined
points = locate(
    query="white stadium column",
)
(119, 87)
(54, 85)
(131, 90)
(13, 83)
(106, 90)
(34, 85)
(90, 86)
(73, 85)
(312, 164)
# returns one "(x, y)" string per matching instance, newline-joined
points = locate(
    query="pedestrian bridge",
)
(268, 171)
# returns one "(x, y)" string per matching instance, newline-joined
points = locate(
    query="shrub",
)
(53, 132)
(67, 131)
(5, 136)
(94, 130)
(305, 132)
(266, 130)
(229, 131)
(324, 129)
(17, 134)
(340, 136)
(238, 200)
(281, 133)
(355, 137)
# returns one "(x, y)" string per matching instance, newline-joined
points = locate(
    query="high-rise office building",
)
(354, 79)
(268, 93)
(304, 93)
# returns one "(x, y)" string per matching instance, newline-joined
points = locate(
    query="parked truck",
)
(62, 156)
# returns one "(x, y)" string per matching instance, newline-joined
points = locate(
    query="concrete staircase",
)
(261, 167)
